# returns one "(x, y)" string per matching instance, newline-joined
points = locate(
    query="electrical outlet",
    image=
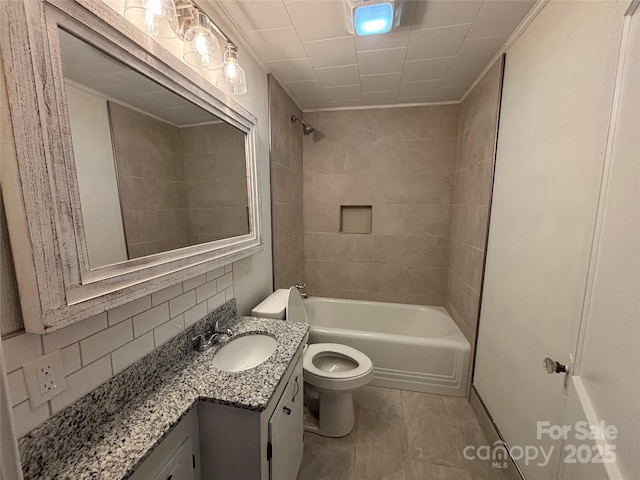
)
(47, 380)
(44, 378)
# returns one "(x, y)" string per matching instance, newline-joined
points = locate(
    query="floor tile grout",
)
(406, 429)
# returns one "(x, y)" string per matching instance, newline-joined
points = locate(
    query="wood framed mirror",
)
(133, 172)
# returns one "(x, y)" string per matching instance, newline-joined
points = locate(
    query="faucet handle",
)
(200, 343)
(301, 287)
(216, 328)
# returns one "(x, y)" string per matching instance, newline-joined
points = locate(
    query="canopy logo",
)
(582, 443)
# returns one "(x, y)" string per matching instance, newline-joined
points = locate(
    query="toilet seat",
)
(336, 380)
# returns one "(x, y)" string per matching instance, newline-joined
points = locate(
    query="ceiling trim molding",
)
(389, 105)
(520, 29)
(218, 6)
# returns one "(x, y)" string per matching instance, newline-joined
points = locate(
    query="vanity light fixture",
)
(372, 17)
(233, 72)
(158, 17)
(201, 48)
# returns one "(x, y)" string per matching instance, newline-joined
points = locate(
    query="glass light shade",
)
(201, 48)
(157, 17)
(233, 73)
(373, 19)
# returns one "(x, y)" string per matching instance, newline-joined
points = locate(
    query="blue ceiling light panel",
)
(373, 19)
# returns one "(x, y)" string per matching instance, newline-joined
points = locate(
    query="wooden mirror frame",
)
(56, 285)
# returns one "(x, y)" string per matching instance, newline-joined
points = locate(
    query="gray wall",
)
(150, 182)
(400, 161)
(473, 179)
(178, 186)
(286, 187)
(215, 173)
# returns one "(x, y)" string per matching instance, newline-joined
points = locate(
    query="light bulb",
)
(231, 70)
(201, 48)
(157, 17)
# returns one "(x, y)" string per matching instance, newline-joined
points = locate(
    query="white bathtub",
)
(412, 347)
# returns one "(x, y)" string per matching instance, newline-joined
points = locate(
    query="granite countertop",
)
(109, 433)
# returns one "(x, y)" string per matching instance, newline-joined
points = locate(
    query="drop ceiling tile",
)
(305, 88)
(461, 76)
(383, 82)
(337, 76)
(345, 103)
(292, 70)
(477, 51)
(498, 17)
(312, 102)
(446, 94)
(382, 61)
(436, 42)
(431, 69)
(344, 94)
(331, 53)
(422, 89)
(318, 20)
(394, 39)
(165, 100)
(431, 14)
(380, 98)
(253, 15)
(136, 82)
(405, 100)
(277, 44)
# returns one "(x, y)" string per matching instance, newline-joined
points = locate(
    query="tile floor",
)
(400, 435)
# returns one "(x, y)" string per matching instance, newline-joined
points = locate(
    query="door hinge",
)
(269, 451)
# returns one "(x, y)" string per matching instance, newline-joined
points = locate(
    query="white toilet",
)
(332, 372)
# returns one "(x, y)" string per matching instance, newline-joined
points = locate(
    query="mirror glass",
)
(155, 171)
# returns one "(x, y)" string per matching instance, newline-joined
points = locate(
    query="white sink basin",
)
(244, 353)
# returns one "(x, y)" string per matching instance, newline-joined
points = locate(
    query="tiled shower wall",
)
(147, 152)
(286, 188)
(178, 186)
(399, 161)
(473, 179)
(215, 174)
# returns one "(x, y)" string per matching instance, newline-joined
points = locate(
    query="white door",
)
(558, 89)
(605, 388)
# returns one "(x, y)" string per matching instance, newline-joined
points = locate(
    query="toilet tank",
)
(274, 306)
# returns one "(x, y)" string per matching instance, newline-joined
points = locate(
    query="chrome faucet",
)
(209, 338)
(301, 288)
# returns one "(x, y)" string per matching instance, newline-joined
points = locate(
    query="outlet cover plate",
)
(36, 379)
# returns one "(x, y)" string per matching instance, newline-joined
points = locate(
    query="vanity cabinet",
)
(236, 443)
(177, 457)
(286, 430)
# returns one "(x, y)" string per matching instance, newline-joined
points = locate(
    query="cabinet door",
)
(180, 465)
(182, 449)
(286, 430)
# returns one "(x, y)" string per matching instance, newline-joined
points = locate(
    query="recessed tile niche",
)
(355, 218)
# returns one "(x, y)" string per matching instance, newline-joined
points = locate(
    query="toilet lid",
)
(295, 306)
(364, 363)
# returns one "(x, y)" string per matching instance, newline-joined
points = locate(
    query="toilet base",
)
(336, 417)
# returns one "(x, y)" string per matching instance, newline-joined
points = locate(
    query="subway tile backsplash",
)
(95, 350)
